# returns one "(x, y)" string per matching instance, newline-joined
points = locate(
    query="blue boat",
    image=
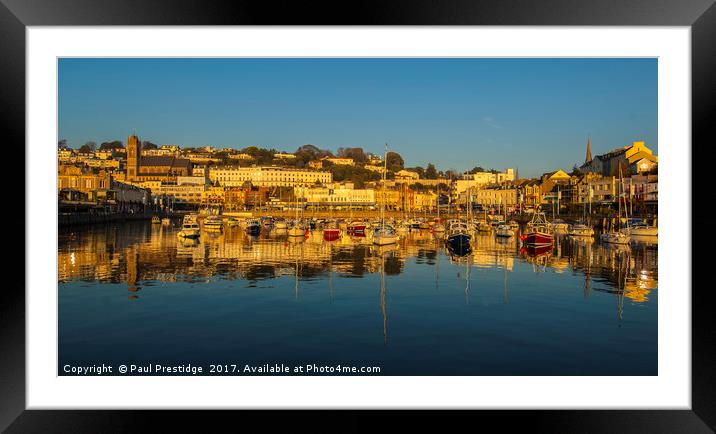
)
(458, 238)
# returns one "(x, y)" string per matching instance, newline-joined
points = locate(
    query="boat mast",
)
(385, 171)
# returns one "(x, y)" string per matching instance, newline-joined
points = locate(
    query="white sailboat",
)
(617, 236)
(384, 234)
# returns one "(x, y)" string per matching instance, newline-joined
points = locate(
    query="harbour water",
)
(135, 293)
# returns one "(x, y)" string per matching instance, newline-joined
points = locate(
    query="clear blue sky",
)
(456, 113)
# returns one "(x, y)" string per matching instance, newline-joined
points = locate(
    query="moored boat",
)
(213, 223)
(539, 232)
(458, 236)
(504, 231)
(253, 227)
(156, 220)
(356, 227)
(189, 227)
(580, 230)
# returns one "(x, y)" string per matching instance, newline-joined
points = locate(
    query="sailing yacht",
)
(618, 236)
(297, 230)
(438, 227)
(384, 234)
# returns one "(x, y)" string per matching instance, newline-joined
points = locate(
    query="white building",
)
(479, 179)
(336, 195)
(268, 176)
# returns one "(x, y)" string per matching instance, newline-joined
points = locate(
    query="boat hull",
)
(538, 239)
(644, 232)
(331, 234)
(253, 230)
(458, 240)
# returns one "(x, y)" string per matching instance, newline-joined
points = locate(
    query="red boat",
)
(331, 234)
(539, 232)
(356, 228)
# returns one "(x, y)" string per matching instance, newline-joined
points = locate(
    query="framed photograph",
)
(431, 207)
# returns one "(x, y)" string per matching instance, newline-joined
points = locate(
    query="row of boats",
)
(456, 233)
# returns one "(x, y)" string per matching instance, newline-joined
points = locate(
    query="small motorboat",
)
(297, 231)
(156, 220)
(504, 231)
(356, 227)
(189, 227)
(253, 227)
(331, 234)
(166, 221)
(385, 235)
(580, 230)
(559, 226)
(458, 236)
(639, 228)
(232, 222)
(213, 223)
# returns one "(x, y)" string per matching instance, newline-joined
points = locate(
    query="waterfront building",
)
(495, 196)
(268, 176)
(636, 158)
(213, 196)
(242, 198)
(392, 199)
(337, 196)
(82, 179)
(478, 179)
(190, 194)
(529, 192)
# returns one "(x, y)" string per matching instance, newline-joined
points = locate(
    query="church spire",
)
(589, 151)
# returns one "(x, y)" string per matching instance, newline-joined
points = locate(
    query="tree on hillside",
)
(62, 143)
(430, 172)
(356, 154)
(575, 171)
(475, 169)
(115, 144)
(394, 162)
(148, 145)
(87, 148)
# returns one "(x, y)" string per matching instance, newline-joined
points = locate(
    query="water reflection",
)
(402, 306)
(136, 253)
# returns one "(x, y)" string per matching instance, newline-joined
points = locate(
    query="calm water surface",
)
(135, 293)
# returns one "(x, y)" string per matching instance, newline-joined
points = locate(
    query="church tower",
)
(134, 150)
(589, 151)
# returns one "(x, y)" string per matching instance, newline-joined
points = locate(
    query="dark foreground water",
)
(135, 294)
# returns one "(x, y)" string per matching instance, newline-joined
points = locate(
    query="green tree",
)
(430, 172)
(115, 144)
(394, 162)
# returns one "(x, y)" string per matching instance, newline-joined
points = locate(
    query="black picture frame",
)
(15, 15)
